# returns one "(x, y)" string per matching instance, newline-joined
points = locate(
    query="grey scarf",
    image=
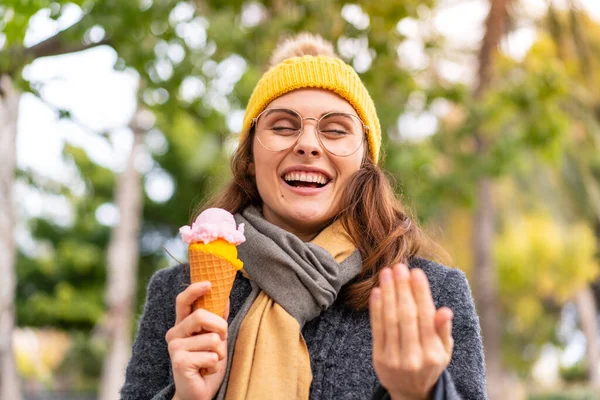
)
(301, 277)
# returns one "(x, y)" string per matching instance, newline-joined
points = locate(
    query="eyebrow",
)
(334, 112)
(294, 112)
(286, 110)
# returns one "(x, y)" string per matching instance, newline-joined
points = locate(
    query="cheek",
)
(348, 167)
(265, 168)
(264, 178)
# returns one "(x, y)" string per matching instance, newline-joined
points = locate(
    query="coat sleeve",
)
(439, 392)
(464, 379)
(148, 374)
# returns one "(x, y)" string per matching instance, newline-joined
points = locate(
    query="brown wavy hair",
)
(373, 216)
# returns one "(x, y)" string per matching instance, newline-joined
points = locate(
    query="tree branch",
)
(53, 46)
(71, 118)
(56, 45)
(56, 48)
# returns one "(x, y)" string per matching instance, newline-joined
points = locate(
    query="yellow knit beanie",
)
(323, 72)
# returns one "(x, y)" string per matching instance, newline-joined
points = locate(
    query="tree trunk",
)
(586, 309)
(122, 274)
(484, 271)
(9, 111)
(485, 291)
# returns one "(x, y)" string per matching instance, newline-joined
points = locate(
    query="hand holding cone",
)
(213, 257)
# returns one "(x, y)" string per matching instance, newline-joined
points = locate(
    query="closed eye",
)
(284, 131)
(335, 132)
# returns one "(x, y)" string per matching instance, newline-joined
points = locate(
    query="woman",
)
(334, 302)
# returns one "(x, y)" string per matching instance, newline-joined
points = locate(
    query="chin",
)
(309, 215)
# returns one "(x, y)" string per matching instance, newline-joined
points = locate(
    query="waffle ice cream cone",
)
(212, 252)
(208, 265)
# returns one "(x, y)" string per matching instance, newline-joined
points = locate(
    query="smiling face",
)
(301, 186)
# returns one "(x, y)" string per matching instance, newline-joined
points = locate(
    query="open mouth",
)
(306, 179)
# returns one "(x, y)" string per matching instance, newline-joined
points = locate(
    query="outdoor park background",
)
(123, 115)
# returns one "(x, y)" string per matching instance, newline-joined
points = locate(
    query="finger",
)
(198, 321)
(202, 342)
(390, 314)
(443, 325)
(185, 299)
(407, 310)
(189, 363)
(222, 352)
(209, 371)
(425, 308)
(441, 316)
(375, 309)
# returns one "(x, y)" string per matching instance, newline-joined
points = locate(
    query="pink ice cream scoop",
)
(213, 224)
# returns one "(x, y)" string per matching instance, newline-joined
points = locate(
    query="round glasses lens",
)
(277, 129)
(341, 133)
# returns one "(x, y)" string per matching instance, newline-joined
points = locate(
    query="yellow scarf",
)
(271, 359)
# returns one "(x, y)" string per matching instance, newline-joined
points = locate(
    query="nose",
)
(308, 141)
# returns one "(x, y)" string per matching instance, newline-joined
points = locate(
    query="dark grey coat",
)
(339, 341)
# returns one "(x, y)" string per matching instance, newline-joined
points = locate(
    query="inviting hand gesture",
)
(412, 342)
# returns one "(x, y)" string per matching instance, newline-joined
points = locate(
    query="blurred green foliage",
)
(65, 286)
(541, 266)
(575, 373)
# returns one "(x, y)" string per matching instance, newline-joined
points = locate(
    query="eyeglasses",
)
(278, 129)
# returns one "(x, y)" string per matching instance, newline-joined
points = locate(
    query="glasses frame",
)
(254, 124)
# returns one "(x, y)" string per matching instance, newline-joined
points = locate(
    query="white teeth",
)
(314, 177)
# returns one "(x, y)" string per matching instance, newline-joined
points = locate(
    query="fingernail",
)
(205, 284)
(385, 275)
(401, 271)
